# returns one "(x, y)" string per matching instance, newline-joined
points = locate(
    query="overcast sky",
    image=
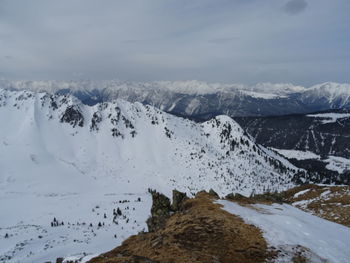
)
(242, 41)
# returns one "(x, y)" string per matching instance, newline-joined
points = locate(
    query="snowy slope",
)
(62, 159)
(124, 140)
(286, 227)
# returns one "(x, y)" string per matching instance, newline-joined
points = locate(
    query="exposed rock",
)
(73, 116)
(236, 197)
(213, 193)
(59, 260)
(203, 233)
(96, 119)
(178, 200)
(160, 211)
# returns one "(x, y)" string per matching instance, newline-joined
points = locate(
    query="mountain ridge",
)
(196, 98)
(219, 142)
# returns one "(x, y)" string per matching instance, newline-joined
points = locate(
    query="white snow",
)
(301, 193)
(338, 164)
(296, 154)
(334, 163)
(285, 226)
(144, 89)
(336, 94)
(50, 169)
(261, 95)
(329, 117)
(191, 87)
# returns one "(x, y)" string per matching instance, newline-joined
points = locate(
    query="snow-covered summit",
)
(118, 136)
(336, 94)
(189, 87)
(56, 151)
(201, 99)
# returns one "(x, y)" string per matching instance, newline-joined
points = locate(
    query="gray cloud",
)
(223, 41)
(295, 6)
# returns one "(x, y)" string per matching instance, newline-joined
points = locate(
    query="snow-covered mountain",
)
(323, 133)
(317, 142)
(133, 142)
(64, 161)
(327, 95)
(200, 99)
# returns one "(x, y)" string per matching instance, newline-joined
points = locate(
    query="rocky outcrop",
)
(73, 116)
(162, 208)
(201, 233)
(160, 211)
(178, 200)
(213, 193)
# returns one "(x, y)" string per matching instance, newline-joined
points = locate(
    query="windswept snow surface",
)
(62, 159)
(285, 226)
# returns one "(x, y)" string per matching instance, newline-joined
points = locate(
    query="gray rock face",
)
(178, 200)
(213, 193)
(160, 211)
(73, 116)
(162, 208)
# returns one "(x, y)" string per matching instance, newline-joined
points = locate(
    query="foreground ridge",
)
(260, 228)
(202, 232)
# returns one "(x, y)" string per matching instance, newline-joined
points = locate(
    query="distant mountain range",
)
(318, 142)
(324, 133)
(202, 100)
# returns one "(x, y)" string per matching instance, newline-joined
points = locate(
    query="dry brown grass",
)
(205, 233)
(202, 233)
(334, 206)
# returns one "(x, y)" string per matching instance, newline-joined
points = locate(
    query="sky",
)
(302, 42)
